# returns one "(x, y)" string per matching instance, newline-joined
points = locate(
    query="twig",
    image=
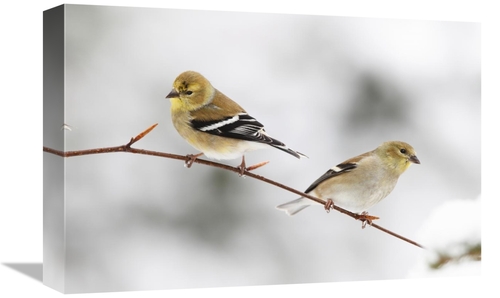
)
(127, 148)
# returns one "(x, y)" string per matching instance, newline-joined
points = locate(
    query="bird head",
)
(191, 91)
(397, 155)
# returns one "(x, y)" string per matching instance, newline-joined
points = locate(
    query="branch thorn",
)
(141, 135)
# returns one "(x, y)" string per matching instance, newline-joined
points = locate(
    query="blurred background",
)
(330, 87)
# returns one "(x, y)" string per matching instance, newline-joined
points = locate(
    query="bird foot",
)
(243, 168)
(190, 158)
(366, 219)
(329, 205)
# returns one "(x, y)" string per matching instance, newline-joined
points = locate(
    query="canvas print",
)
(188, 149)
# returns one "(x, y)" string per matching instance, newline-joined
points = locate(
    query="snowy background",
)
(330, 87)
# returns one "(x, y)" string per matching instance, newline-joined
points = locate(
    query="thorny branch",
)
(127, 148)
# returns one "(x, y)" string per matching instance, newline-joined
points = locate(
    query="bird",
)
(214, 124)
(359, 182)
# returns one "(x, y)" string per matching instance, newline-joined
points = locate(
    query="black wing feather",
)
(242, 127)
(340, 169)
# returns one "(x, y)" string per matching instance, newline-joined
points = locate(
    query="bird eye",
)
(189, 92)
(403, 151)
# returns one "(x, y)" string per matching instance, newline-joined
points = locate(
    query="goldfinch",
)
(214, 124)
(360, 182)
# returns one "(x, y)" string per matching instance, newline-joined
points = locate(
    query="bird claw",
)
(243, 168)
(242, 171)
(366, 219)
(329, 205)
(190, 158)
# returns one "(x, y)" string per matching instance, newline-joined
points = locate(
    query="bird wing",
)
(333, 172)
(240, 126)
(340, 169)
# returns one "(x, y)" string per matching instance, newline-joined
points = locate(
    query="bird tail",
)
(294, 206)
(283, 147)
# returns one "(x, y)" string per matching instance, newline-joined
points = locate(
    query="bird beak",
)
(414, 159)
(173, 94)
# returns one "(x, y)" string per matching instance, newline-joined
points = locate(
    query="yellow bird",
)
(359, 182)
(214, 124)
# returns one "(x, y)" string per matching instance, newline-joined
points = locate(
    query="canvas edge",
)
(54, 254)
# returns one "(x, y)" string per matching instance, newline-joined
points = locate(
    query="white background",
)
(20, 213)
